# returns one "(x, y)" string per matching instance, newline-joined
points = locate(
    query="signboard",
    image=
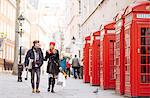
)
(143, 16)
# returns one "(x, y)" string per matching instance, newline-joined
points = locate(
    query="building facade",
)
(87, 16)
(95, 13)
(7, 25)
(73, 26)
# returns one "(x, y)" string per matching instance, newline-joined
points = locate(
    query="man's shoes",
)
(37, 91)
(33, 90)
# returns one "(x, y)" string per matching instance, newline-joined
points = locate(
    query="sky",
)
(53, 12)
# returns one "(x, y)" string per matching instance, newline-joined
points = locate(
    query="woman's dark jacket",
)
(53, 62)
(30, 55)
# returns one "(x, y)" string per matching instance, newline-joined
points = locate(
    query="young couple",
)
(35, 56)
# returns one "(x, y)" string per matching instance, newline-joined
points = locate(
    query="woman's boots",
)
(51, 81)
(49, 84)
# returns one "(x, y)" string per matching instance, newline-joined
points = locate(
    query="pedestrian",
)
(76, 67)
(81, 68)
(52, 55)
(68, 66)
(63, 63)
(35, 56)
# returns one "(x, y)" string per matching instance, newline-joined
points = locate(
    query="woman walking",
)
(52, 55)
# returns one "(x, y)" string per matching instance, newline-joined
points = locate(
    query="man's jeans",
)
(36, 71)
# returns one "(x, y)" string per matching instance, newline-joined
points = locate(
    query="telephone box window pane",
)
(143, 59)
(143, 50)
(143, 78)
(143, 31)
(148, 59)
(143, 41)
(148, 78)
(148, 50)
(148, 69)
(148, 31)
(143, 69)
(148, 41)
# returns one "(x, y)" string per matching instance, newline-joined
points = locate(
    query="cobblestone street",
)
(10, 88)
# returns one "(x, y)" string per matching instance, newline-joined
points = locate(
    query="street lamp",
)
(20, 20)
(20, 66)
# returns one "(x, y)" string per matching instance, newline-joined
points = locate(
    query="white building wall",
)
(103, 12)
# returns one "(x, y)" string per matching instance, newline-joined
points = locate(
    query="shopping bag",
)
(30, 64)
(61, 80)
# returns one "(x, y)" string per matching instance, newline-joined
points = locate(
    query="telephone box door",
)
(144, 59)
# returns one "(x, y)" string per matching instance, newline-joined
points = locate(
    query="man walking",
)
(76, 67)
(34, 59)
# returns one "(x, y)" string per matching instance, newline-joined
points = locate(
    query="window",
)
(127, 55)
(111, 59)
(145, 55)
(143, 50)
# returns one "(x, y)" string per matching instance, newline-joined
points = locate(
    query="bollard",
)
(20, 69)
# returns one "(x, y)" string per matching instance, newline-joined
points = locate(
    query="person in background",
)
(52, 55)
(63, 63)
(35, 56)
(68, 66)
(81, 68)
(76, 67)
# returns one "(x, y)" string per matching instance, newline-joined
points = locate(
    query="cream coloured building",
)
(7, 25)
(73, 26)
(86, 16)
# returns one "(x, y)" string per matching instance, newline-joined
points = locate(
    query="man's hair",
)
(35, 42)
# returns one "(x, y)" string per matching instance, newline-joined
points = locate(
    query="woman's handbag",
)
(61, 79)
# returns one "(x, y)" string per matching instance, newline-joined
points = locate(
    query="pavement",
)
(10, 88)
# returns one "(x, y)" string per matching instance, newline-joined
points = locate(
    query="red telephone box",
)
(95, 64)
(120, 53)
(137, 50)
(86, 77)
(107, 41)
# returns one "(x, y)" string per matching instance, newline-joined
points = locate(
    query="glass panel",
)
(148, 31)
(143, 41)
(143, 31)
(148, 78)
(143, 69)
(143, 78)
(148, 69)
(143, 59)
(148, 59)
(148, 41)
(148, 50)
(143, 50)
